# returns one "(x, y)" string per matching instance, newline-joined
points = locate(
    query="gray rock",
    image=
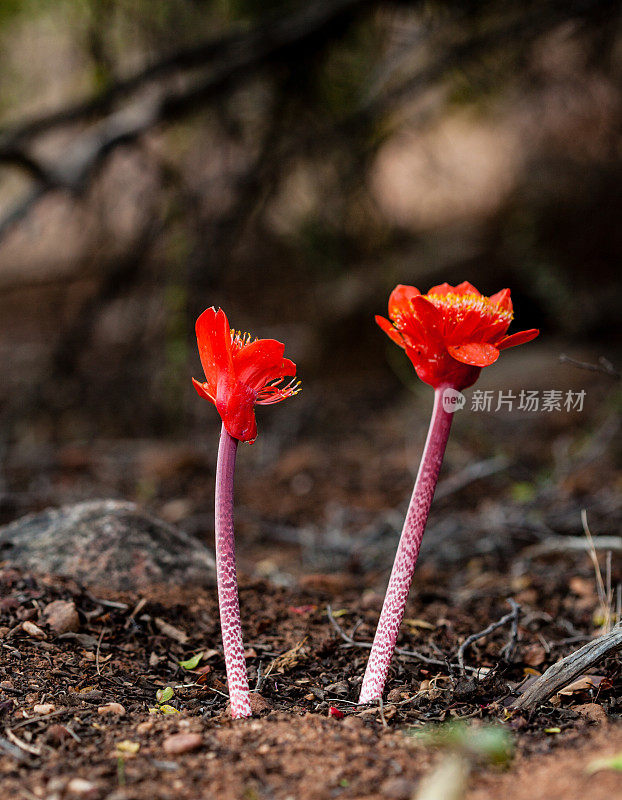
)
(106, 543)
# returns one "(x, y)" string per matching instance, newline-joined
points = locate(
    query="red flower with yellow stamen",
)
(240, 372)
(451, 332)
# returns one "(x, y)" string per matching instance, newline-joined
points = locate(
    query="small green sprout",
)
(164, 695)
(162, 698)
(166, 709)
(465, 746)
(613, 762)
(490, 743)
(192, 663)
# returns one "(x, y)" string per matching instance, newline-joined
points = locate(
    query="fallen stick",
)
(569, 669)
(350, 642)
(474, 637)
(574, 544)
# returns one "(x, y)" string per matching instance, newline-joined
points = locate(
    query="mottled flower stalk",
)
(449, 335)
(240, 373)
(407, 552)
(226, 577)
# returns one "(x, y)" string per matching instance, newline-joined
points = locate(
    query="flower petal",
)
(214, 341)
(261, 362)
(427, 314)
(477, 354)
(237, 410)
(202, 391)
(466, 288)
(502, 299)
(520, 337)
(462, 288)
(390, 331)
(399, 300)
(441, 290)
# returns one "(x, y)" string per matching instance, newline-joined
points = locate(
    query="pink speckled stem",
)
(228, 602)
(407, 552)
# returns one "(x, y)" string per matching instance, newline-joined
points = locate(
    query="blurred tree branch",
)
(238, 54)
(294, 106)
(169, 89)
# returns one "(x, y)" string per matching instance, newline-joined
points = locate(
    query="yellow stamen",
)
(462, 303)
(240, 339)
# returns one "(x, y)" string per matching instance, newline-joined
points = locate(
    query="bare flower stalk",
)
(228, 601)
(408, 551)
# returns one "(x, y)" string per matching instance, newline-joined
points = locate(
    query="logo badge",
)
(453, 400)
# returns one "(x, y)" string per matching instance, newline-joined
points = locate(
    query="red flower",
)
(450, 333)
(240, 372)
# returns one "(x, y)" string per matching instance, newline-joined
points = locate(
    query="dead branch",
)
(241, 55)
(27, 748)
(470, 474)
(512, 617)
(12, 750)
(604, 366)
(569, 668)
(151, 99)
(399, 650)
(572, 544)
(151, 104)
(507, 651)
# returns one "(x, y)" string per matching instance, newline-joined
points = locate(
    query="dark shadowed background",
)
(292, 162)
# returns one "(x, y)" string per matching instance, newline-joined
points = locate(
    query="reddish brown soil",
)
(565, 772)
(295, 747)
(316, 526)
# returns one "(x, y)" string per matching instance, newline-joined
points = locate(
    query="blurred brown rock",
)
(106, 543)
(592, 712)
(179, 743)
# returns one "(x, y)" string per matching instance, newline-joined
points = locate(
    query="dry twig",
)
(569, 668)
(605, 596)
(603, 366)
(350, 642)
(512, 617)
(27, 748)
(572, 544)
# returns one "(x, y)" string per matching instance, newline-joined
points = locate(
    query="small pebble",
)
(57, 734)
(592, 712)
(397, 788)
(182, 743)
(32, 630)
(111, 708)
(44, 708)
(259, 704)
(80, 787)
(395, 695)
(341, 688)
(62, 616)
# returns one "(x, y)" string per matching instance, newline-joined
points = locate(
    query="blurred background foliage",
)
(290, 161)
